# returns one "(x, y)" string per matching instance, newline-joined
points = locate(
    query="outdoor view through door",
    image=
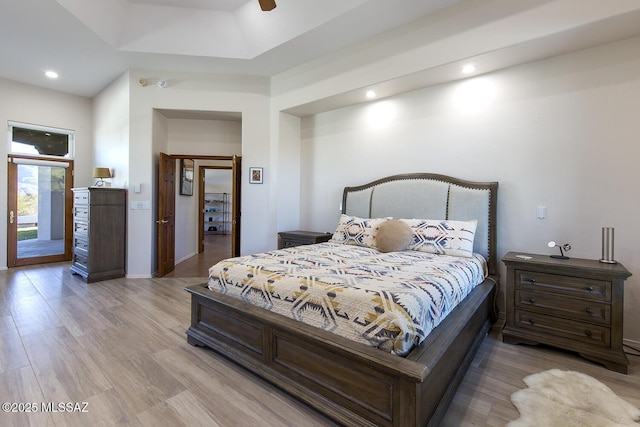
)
(39, 199)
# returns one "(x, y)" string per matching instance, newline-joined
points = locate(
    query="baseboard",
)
(185, 258)
(139, 276)
(633, 344)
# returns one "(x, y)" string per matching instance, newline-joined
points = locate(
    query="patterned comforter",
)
(386, 300)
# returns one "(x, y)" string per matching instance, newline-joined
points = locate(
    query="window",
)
(40, 141)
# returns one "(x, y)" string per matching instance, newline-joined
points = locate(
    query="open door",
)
(235, 205)
(166, 214)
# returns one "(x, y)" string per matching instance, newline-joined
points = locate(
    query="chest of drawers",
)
(99, 233)
(575, 304)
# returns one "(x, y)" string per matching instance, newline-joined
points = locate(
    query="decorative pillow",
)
(442, 237)
(393, 236)
(352, 230)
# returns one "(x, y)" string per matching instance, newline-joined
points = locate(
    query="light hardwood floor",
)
(216, 248)
(120, 345)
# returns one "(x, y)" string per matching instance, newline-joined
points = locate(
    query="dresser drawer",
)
(591, 311)
(81, 229)
(568, 330)
(80, 261)
(80, 198)
(81, 213)
(81, 246)
(597, 290)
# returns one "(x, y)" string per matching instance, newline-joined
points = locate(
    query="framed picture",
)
(186, 177)
(255, 175)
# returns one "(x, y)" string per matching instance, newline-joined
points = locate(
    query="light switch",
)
(137, 188)
(541, 212)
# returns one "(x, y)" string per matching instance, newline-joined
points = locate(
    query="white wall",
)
(205, 137)
(198, 92)
(199, 137)
(562, 133)
(111, 139)
(111, 130)
(218, 181)
(29, 104)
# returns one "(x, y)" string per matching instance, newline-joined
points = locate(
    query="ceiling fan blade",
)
(267, 5)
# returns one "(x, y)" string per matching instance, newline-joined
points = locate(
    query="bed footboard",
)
(349, 382)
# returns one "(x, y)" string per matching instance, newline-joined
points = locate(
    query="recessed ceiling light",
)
(51, 74)
(370, 94)
(469, 68)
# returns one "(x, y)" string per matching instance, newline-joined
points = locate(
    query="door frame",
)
(12, 207)
(235, 203)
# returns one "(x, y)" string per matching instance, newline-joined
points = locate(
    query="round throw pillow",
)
(393, 235)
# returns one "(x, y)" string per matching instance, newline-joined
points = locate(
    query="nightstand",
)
(288, 239)
(575, 304)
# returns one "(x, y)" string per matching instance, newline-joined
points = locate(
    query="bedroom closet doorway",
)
(216, 200)
(216, 191)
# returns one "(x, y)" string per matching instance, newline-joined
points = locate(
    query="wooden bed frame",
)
(352, 383)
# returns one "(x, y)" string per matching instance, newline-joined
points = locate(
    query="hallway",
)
(216, 248)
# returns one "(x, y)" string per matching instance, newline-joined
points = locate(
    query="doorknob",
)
(10, 217)
(162, 221)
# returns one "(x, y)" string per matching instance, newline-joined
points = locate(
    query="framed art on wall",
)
(255, 175)
(186, 177)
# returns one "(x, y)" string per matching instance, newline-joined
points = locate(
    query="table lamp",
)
(101, 173)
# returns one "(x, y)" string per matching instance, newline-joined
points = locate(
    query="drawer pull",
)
(533, 281)
(590, 288)
(589, 310)
(533, 322)
(588, 333)
(532, 300)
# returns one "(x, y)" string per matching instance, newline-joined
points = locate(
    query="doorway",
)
(225, 224)
(40, 204)
(216, 201)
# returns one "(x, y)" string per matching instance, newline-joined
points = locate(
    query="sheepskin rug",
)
(569, 398)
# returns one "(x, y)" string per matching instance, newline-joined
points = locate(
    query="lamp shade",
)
(101, 173)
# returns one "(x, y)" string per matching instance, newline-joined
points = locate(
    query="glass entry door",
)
(39, 214)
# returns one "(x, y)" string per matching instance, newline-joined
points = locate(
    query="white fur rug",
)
(568, 398)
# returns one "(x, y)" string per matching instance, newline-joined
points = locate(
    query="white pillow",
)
(352, 230)
(442, 237)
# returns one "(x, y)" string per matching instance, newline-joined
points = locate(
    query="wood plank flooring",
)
(120, 346)
(216, 248)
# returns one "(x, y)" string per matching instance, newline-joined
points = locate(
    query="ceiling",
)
(91, 42)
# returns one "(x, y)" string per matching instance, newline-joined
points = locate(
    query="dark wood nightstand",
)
(287, 239)
(575, 304)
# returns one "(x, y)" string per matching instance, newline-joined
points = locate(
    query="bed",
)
(349, 381)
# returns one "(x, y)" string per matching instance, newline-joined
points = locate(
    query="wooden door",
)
(235, 205)
(201, 176)
(39, 226)
(166, 214)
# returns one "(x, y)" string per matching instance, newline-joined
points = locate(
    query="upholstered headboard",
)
(431, 196)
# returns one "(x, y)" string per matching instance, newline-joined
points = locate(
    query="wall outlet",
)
(140, 205)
